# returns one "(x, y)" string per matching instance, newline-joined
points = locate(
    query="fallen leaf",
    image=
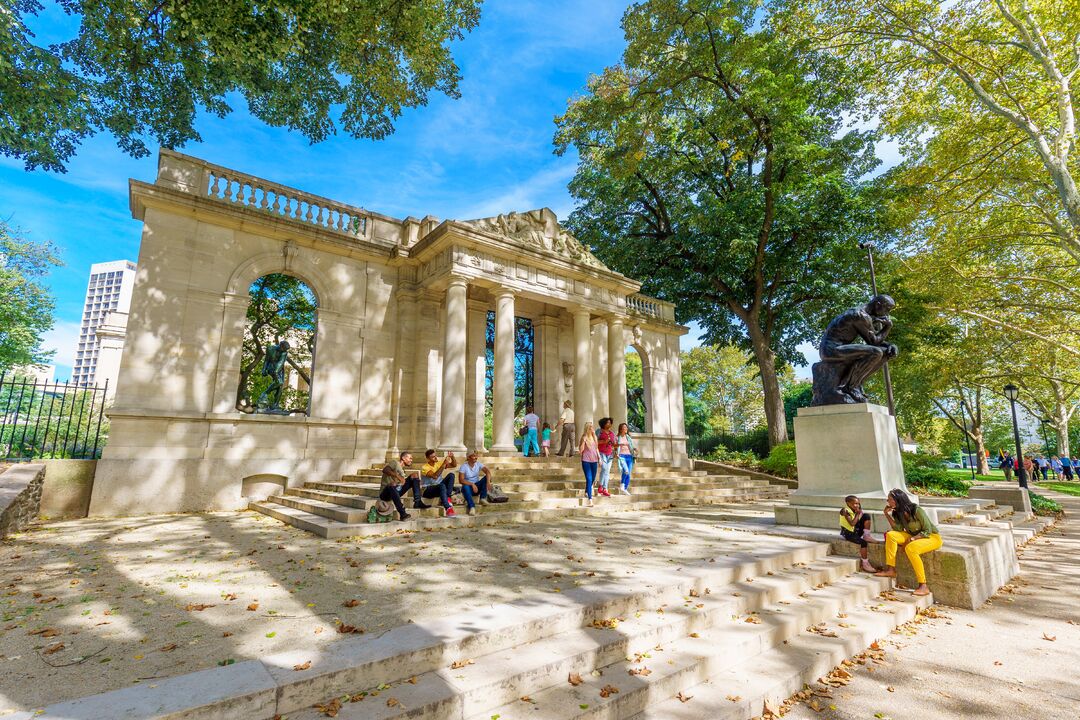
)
(54, 648)
(45, 632)
(255, 606)
(1051, 638)
(350, 629)
(734, 698)
(226, 634)
(197, 607)
(753, 619)
(47, 600)
(608, 690)
(574, 679)
(350, 603)
(684, 698)
(458, 664)
(331, 708)
(891, 689)
(644, 671)
(392, 702)
(168, 648)
(302, 666)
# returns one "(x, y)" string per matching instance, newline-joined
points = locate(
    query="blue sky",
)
(489, 151)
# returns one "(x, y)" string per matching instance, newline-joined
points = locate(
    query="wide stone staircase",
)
(538, 489)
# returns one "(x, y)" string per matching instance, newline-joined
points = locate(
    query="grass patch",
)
(1045, 506)
(1066, 488)
(965, 474)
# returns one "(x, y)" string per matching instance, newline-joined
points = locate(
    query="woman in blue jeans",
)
(590, 459)
(624, 449)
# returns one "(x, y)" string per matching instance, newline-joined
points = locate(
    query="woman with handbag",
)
(590, 460)
(624, 446)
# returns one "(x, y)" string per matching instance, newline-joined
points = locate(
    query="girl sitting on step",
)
(855, 528)
(912, 528)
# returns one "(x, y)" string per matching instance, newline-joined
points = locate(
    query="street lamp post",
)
(1012, 392)
(869, 248)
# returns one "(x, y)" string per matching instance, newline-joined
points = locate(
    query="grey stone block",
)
(20, 496)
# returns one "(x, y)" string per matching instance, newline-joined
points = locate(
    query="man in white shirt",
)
(569, 436)
(475, 478)
(532, 425)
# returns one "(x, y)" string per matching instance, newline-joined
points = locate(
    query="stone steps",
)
(686, 641)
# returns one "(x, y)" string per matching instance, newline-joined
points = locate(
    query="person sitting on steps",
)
(397, 480)
(855, 528)
(475, 479)
(912, 528)
(437, 482)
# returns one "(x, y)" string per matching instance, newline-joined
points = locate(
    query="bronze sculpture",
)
(846, 363)
(274, 368)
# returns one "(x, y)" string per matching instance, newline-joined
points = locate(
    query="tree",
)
(1000, 74)
(714, 163)
(26, 308)
(138, 68)
(725, 380)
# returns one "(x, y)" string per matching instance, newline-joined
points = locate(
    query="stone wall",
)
(20, 496)
(68, 485)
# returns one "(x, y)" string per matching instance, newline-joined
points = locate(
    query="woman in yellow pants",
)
(912, 528)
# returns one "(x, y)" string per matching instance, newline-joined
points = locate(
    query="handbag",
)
(523, 431)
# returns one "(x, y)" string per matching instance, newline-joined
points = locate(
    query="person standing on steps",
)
(532, 427)
(624, 448)
(590, 458)
(437, 482)
(475, 480)
(569, 433)
(545, 440)
(396, 481)
(605, 444)
(912, 529)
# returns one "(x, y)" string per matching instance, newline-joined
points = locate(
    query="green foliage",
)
(50, 421)
(26, 307)
(282, 308)
(146, 69)
(782, 461)
(723, 378)
(797, 394)
(925, 475)
(714, 163)
(755, 443)
(741, 458)
(1042, 505)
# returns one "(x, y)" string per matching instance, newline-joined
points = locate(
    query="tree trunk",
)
(774, 400)
(980, 449)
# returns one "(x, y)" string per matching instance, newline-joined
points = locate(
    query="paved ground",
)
(1015, 658)
(134, 600)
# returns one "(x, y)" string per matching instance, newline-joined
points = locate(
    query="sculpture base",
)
(842, 450)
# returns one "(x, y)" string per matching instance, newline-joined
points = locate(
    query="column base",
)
(503, 450)
(459, 450)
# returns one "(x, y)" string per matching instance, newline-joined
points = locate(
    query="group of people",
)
(912, 529)
(435, 480)
(1062, 467)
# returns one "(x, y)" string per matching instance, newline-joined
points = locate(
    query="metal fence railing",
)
(755, 441)
(51, 419)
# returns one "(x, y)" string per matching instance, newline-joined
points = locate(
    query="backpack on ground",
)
(381, 512)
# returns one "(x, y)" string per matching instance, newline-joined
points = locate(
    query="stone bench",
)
(972, 564)
(20, 496)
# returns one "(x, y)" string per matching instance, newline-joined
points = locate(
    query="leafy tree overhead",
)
(715, 164)
(143, 68)
(26, 308)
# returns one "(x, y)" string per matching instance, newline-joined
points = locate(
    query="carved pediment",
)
(538, 228)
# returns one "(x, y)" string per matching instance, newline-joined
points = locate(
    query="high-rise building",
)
(109, 291)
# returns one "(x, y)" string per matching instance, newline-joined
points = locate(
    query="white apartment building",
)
(108, 291)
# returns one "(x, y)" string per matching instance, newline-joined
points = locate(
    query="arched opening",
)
(279, 347)
(524, 370)
(638, 395)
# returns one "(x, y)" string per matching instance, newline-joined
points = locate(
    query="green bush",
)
(926, 476)
(1042, 505)
(781, 461)
(742, 458)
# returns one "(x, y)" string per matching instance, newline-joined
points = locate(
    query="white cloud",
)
(544, 188)
(63, 338)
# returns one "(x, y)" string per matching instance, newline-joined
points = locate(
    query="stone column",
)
(455, 322)
(616, 357)
(583, 360)
(547, 369)
(503, 385)
(476, 365)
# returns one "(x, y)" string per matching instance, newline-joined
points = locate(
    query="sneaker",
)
(604, 492)
(405, 517)
(484, 501)
(420, 506)
(624, 490)
(870, 538)
(471, 511)
(450, 512)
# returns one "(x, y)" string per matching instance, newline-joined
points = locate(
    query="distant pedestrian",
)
(1066, 467)
(1007, 467)
(532, 429)
(1056, 467)
(569, 433)
(1043, 466)
(1029, 469)
(590, 460)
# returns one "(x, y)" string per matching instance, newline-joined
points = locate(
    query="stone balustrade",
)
(651, 307)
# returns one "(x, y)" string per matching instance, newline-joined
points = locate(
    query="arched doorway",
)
(638, 386)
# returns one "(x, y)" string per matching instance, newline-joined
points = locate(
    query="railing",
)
(240, 189)
(51, 420)
(651, 307)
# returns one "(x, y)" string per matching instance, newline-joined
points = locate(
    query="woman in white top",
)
(624, 450)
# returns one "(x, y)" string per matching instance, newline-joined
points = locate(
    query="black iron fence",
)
(51, 419)
(755, 441)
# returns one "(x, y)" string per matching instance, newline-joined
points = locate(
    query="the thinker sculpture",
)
(274, 368)
(846, 363)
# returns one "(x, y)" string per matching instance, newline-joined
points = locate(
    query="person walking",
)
(1007, 467)
(1029, 469)
(913, 530)
(1043, 466)
(624, 448)
(532, 430)
(1056, 467)
(605, 444)
(569, 433)
(1066, 467)
(590, 458)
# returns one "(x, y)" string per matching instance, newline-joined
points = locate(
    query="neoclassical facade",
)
(400, 353)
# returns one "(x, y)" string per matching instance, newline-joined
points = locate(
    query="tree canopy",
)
(143, 69)
(26, 307)
(715, 163)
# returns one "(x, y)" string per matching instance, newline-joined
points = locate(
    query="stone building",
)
(400, 351)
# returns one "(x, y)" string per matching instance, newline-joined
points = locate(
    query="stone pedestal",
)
(842, 450)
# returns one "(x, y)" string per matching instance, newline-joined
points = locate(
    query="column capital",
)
(501, 291)
(457, 281)
(581, 312)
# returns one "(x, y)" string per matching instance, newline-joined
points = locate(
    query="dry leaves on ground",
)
(350, 603)
(458, 664)
(45, 632)
(331, 708)
(253, 607)
(350, 629)
(574, 679)
(168, 648)
(684, 698)
(640, 671)
(608, 690)
(302, 666)
(54, 648)
(1051, 638)
(197, 607)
